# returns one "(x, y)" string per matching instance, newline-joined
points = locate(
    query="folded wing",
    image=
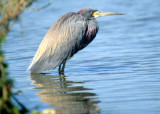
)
(61, 42)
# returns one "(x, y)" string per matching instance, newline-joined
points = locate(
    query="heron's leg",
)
(61, 68)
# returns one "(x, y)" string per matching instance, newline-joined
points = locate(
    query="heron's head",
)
(90, 13)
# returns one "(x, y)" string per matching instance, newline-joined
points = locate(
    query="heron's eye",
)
(92, 12)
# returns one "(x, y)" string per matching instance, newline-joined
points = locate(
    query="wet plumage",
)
(71, 33)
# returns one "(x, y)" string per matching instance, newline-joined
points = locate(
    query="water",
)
(118, 73)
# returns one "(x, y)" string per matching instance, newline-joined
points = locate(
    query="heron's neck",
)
(92, 29)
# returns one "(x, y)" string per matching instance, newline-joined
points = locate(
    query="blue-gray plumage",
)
(71, 33)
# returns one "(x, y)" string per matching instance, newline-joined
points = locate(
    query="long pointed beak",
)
(99, 14)
(109, 13)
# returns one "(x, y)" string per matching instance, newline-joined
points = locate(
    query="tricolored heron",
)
(71, 33)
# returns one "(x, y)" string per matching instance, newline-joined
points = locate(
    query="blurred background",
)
(118, 73)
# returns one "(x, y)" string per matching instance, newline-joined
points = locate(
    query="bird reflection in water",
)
(58, 92)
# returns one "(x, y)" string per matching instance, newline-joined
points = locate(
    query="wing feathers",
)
(60, 43)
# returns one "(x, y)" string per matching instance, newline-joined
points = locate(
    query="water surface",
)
(118, 73)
